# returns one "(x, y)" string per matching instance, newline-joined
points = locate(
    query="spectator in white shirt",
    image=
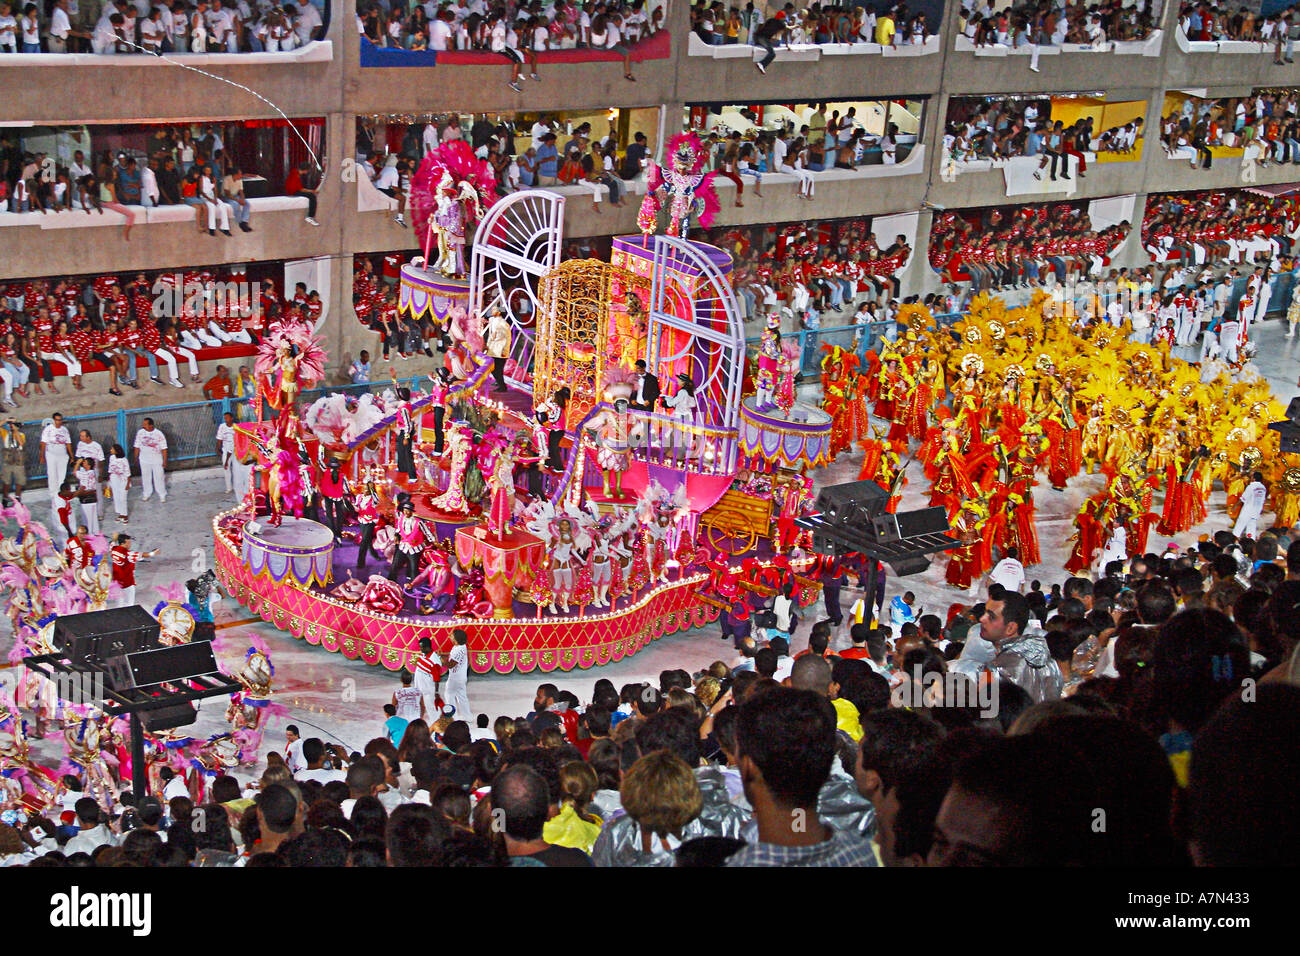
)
(8, 29)
(60, 28)
(221, 26)
(306, 19)
(29, 24)
(313, 751)
(78, 168)
(92, 833)
(152, 33)
(173, 785)
(108, 34)
(439, 31)
(1009, 572)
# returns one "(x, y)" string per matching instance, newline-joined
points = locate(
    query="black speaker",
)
(1293, 410)
(851, 503)
(823, 543)
(96, 636)
(885, 527)
(902, 567)
(165, 718)
(913, 524)
(145, 668)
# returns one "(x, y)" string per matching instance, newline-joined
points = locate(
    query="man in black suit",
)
(647, 389)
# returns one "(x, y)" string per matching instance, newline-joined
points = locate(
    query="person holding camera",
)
(324, 762)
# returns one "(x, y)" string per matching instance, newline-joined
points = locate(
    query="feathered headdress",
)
(618, 382)
(311, 364)
(687, 153)
(455, 158)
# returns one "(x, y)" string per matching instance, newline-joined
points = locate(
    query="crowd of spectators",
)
(1020, 247)
(888, 24)
(155, 27)
(824, 142)
(515, 31)
(1046, 23)
(998, 129)
(559, 154)
(812, 269)
(990, 737)
(76, 326)
(1275, 32)
(1268, 120)
(1220, 228)
(178, 166)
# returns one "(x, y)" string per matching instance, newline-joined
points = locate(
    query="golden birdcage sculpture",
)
(573, 333)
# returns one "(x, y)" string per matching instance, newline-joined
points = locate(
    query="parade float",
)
(543, 491)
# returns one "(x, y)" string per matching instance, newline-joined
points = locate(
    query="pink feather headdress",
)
(456, 158)
(687, 147)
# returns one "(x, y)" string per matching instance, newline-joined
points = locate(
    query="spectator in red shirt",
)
(105, 350)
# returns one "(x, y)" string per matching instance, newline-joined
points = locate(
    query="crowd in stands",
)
(824, 142)
(812, 269)
(1268, 118)
(80, 325)
(998, 129)
(155, 27)
(1220, 228)
(516, 31)
(1046, 23)
(178, 166)
(889, 24)
(560, 154)
(1274, 32)
(1020, 247)
(986, 737)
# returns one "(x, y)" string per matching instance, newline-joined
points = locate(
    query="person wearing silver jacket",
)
(620, 842)
(1023, 657)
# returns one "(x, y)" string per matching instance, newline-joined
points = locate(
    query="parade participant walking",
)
(55, 442)
(226, 448)
(119, 480)
(151, 456)
(88, 448)
(1252, 506)
(457, 661)
(124, 562)
(428, 675)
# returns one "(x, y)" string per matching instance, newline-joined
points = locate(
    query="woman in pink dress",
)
(502, 483)
(452, 501)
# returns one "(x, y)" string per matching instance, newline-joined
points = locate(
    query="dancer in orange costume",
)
(927, 378)
(841, 397)
(964, 567)
(951, 476)
(1087, 537)
(1184, 505)
(968, 399)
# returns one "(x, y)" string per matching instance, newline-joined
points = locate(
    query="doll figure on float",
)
(612, 429)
